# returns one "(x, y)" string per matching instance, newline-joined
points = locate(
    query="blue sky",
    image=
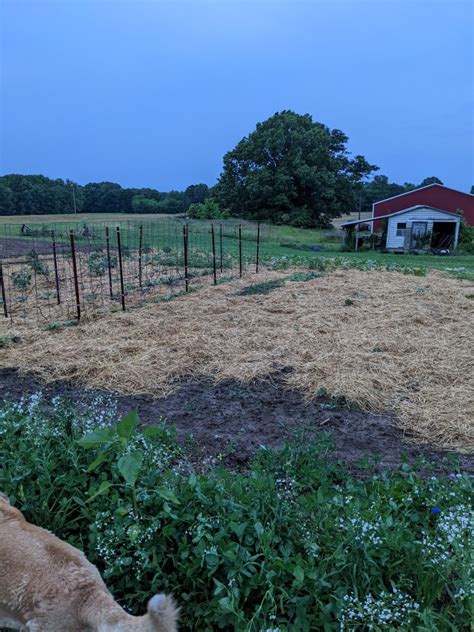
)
(153, 93)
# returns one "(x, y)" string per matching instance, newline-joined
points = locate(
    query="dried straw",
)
(404, 346)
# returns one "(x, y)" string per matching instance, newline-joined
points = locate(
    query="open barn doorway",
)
(443, 235)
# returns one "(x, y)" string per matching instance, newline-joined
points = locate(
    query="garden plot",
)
(41, 287)
(381, 340)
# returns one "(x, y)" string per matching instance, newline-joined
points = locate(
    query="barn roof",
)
(405, 210)
(427, 186)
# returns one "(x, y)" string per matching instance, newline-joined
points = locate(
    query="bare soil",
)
(228, 421)
(12, 247)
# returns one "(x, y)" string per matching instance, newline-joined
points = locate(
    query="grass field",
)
(277, 241)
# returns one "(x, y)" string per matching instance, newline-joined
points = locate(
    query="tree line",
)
(38, 195)
(289, 170)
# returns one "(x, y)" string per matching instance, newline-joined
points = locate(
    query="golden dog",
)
(46, 585)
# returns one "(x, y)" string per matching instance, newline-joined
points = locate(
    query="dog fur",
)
(46, 585)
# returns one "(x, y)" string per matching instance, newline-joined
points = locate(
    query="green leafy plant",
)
(303, 276)
(6, 341)
(21, 279)
(265, 287)
(98, 263)
(294, 543)
(40, 267)
(56, 326)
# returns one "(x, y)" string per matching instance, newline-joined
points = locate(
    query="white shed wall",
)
(427, 215)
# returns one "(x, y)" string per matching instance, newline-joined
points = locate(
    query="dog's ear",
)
(4, 498)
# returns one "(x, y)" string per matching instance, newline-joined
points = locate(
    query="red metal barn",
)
(434, 195)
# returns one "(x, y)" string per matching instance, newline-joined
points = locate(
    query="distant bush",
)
(466, 237)
(142, 204)
(209, 209)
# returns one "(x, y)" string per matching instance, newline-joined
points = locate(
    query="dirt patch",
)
(227, 422)
(12, 247)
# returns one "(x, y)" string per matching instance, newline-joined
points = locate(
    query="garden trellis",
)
(66, 270)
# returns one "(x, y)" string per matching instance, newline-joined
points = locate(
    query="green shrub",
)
(209, 209)
(466, 237)
(21, 279)
(40, 267)
(98, 263)
(295, 543)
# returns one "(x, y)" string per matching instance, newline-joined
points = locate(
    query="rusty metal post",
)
(240, 250)
(258, 247)
(185, 251)
(119, 247)
(56, 272)
(220, 245)
(214, 253)
(76, 278)
(140, 247)
(109, 263)
(4, 294)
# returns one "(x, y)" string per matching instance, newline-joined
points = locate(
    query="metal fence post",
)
(213, 254)
(258, 247)
(185, 249)
(4, 295)
(140, 247)
(76, 279)
(109, 263)
(56, 273)
(122, 290)
(240, 250)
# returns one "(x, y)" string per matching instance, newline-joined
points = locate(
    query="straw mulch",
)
(404, 346)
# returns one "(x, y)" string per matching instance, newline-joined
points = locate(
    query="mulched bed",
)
(228, 421)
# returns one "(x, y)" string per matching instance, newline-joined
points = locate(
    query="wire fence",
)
(62, 271)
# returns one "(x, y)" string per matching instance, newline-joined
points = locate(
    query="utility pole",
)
(74, 199)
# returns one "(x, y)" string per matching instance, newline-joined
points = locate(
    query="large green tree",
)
(291, 170)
